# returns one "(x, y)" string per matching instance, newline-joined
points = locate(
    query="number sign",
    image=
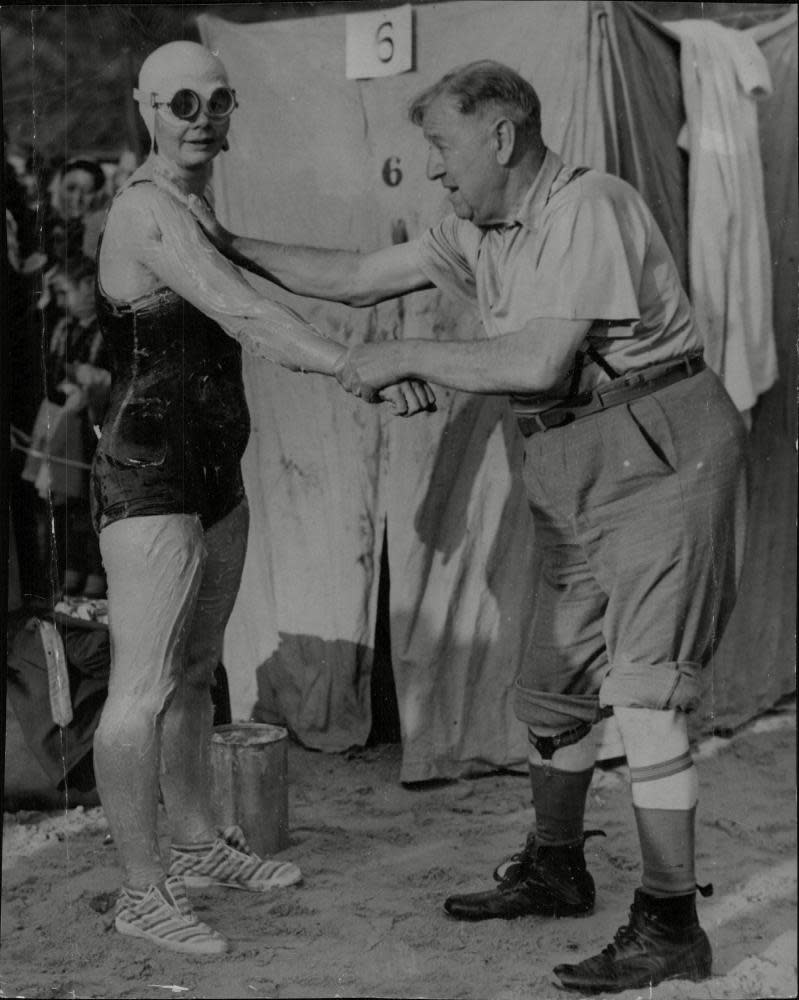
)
(379, 43)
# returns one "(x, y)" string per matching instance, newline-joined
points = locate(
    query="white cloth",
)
(723, 75)
(324, 473)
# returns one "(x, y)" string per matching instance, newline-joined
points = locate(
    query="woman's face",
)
(76, 194)
(191, 145)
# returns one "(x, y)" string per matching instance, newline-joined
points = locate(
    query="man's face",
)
(76, 194)
(462, 156)
(191, 145)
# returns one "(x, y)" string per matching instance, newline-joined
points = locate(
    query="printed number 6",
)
(385, 43)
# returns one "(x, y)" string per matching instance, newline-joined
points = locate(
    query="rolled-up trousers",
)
(639, 515)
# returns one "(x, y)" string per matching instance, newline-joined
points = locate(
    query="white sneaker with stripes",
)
(230, 862)
(163, 915)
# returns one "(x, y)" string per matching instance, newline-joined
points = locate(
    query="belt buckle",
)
(532, 423)
(561, 418)
(528, 424)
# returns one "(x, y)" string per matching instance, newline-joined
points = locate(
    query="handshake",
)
(371, 372)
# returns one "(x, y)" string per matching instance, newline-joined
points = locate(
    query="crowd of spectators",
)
(58, 378)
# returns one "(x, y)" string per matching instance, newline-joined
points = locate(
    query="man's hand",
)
(96, 385)
(369, 371)
(75, 400)
(407, 398)
(214, 230)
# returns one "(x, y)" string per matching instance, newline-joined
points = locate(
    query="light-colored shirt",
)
(583, 245)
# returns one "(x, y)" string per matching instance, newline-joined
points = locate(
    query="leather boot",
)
(542, 880)
(663, 940)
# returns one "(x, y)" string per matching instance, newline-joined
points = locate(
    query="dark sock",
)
(667, 850)
(559, 802)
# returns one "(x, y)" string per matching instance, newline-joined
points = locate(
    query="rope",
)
(23, 445)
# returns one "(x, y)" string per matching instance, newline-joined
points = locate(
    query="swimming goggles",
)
(186, 104)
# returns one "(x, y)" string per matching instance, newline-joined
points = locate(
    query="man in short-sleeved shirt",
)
(634, 473)
(583, 245)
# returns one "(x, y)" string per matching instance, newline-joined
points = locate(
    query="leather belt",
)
(624, 389)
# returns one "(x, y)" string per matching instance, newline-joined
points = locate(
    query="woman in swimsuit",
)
(168, 499)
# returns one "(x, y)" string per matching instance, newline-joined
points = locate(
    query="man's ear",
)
(505, 139)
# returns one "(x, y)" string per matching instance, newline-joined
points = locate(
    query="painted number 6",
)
(385, 43)
(392, 174)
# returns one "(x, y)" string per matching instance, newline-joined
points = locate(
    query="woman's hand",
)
(365, 369)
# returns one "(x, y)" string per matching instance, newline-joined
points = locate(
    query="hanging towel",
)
(724, 74)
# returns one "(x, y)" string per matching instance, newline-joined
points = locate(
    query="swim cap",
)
(172, 67)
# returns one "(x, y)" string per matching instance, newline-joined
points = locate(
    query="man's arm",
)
(357, 279)
(534, 360)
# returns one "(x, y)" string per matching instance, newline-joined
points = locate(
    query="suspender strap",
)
(597, 358)
(577, 373)
(579, 364)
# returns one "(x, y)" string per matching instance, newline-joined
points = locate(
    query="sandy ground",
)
(378, 860)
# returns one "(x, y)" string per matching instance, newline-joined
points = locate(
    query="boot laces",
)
(525, 862)
(632, 934)
(510, 871)
(622, 939)
(635, 931)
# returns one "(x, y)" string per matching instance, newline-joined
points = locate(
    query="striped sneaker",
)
(230, 862)
(162, 914)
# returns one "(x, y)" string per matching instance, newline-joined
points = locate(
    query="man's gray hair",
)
(480, 84)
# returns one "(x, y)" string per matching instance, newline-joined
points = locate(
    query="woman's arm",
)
(147, 226)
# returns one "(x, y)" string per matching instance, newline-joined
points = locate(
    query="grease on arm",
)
(173, 247)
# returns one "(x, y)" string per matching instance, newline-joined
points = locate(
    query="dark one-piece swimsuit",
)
(177, 423)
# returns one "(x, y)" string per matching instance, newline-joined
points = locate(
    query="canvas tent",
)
(320, 159)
